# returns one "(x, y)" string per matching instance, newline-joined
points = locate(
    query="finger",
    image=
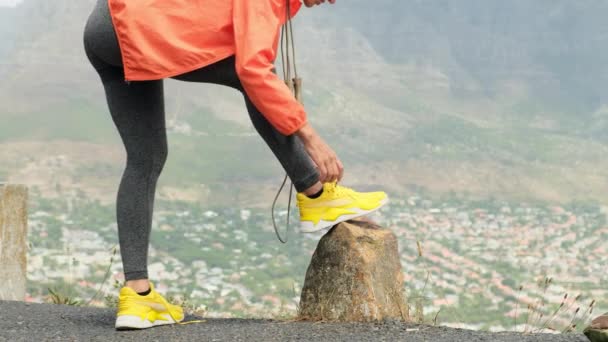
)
(337, 168)
(341, 169)
(322, 172)
(332, 171)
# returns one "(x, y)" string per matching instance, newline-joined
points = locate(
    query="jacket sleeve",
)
(256, 27)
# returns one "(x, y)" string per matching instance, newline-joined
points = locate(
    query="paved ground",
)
(43, 322)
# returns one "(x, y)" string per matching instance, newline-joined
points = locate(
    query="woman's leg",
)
(289, 150)
(138, 113)
(137, 109)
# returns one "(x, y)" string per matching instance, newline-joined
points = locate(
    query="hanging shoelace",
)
(295, 85)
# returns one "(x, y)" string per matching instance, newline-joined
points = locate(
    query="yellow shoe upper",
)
(335, 201)
(153, 306)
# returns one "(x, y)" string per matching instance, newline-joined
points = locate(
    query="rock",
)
(597, 335)
(354, 275)
(600, 322)
(598, 330)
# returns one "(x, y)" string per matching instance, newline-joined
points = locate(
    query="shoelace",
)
(274, 224)
(168, 307)
(339, 190)
(295, 85)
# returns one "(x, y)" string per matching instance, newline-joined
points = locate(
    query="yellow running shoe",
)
(140, 312)
(336, 204)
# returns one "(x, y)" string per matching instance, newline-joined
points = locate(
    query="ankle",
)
(139, 285)
(316, 188)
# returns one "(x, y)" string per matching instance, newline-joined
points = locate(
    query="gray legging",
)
(137, 109)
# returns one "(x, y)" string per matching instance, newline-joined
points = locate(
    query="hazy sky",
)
(9, 2)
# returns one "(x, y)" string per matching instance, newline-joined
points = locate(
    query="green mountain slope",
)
(491, 98)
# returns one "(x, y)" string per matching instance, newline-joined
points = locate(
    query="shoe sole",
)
(126, 322)
(309, 227)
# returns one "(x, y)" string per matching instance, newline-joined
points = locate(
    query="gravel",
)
(20, 321)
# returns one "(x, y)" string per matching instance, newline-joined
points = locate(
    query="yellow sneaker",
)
(140, 312)
(336, 204)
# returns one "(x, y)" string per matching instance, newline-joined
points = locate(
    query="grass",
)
(542, 315)
(57, 296)
(289, 315)
(418, 300)
(66, 293)
(106, 276)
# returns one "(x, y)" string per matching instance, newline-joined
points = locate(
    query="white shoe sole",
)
(134, 322)
(309, 227)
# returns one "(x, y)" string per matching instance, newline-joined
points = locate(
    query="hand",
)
(329, 166)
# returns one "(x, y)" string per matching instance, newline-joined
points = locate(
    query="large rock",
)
(354, 275)
(13, 241)
(598, 330)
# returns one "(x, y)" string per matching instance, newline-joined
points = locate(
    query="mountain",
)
(6, 30)
(490, 98)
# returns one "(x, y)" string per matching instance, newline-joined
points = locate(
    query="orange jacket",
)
(164, 38)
